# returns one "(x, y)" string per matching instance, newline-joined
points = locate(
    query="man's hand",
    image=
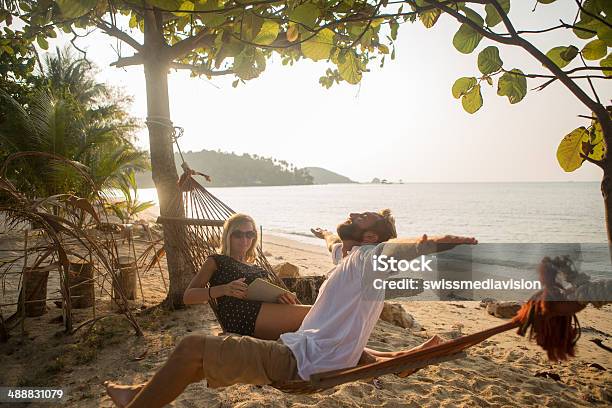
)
(329, 237)
(320, 232)
(429, 245)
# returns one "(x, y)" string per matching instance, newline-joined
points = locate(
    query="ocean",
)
(494, 213)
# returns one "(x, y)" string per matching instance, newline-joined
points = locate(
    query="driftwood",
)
(305, 287)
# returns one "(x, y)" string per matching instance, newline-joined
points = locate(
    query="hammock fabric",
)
(198, 222)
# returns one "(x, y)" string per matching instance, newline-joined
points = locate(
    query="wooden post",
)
(126, 277)
(81, 283)
(33, 295)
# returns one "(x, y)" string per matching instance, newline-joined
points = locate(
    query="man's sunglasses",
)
(241, 234)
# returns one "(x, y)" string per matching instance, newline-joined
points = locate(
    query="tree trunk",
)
(163, 167)
(603, 115)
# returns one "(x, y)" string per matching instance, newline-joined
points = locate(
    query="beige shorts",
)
(247, 360)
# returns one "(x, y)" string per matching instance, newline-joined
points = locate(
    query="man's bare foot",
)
(434, 341)
(122, 394)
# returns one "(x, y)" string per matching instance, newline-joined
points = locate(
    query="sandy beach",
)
(500, 372)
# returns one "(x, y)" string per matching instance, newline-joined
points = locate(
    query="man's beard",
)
(347, 231)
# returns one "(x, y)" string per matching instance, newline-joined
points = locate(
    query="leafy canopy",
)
(230, 37)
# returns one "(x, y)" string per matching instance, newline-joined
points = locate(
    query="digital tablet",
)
(264, 291)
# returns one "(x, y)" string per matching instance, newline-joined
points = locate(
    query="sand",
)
(499, 372)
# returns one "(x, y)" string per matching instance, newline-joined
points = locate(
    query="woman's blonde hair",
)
(230, 225)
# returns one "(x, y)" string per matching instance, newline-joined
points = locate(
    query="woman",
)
(229, 274)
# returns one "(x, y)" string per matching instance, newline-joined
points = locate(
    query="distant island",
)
(233, 170)
(324, 176)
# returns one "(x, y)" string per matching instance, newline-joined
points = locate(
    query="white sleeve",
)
(369, 288)
(336, 253)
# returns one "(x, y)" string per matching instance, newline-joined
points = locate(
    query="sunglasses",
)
(242, 234)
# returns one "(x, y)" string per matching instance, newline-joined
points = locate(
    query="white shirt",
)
(336, 330)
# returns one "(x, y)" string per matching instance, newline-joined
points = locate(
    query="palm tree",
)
(75, 117)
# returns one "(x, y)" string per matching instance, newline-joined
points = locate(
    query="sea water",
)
(494, 213)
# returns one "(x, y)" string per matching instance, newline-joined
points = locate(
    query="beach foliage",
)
(67, 113)
(130, 206)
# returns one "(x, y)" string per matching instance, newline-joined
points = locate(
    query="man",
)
(332, 336)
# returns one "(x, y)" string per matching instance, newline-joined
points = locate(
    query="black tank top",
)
(236, 315)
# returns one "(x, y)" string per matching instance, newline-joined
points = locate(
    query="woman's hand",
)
(288, 298)
(237, 289)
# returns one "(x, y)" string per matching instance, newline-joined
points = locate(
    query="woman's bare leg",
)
(275, 319)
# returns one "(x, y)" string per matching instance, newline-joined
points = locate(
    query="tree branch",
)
(562, 25)
(201, 70)
(113, 31)
(590, 82)
(588, 13)
(598, 163)
(504, 18)
(463, 19)
(136, 59)
(187, 45)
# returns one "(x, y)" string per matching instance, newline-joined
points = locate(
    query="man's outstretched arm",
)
(410, 248)
(329, 237)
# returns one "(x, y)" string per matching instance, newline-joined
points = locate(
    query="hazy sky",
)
(400, 123)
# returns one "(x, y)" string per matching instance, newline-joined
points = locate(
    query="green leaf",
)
(133, 23)
(587, 25)
(349, 68)
(589, 7)
(74, 8)
(594, 50)
(217, 19)
(394, 27)
(605, 6)
(489, 61)
(607, 63)
(604, 33)
(568, 152)
(569, 54)
(546, 1)
(493, 18)
(562, 56)
(187, 6)
(512, 84)
(462, 86)
(319, 47)
(429, 18)
(268, 33)
(599, 151)
(42, 42)
(305, 14)
(466, 39)
(472, 101)
(473, 15)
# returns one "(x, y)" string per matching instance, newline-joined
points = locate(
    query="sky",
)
(401, 122)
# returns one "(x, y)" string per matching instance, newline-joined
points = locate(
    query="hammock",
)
(411, 361)
(198, 223)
